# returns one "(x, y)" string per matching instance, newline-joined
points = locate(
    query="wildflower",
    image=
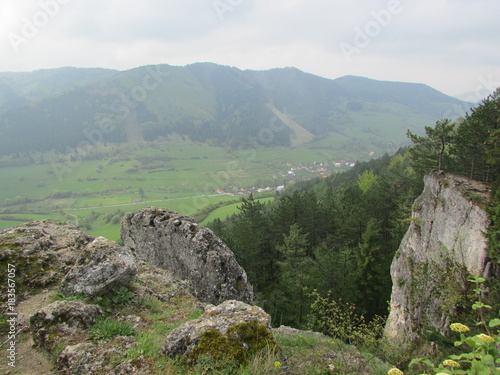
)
(277, 364)
(485, 338)
(395, 371)
(451, 363)
(459, 327)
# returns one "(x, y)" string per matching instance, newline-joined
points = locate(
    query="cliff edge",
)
(444, 245)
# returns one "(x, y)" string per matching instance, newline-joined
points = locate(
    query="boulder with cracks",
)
(103, 266)
(191, 252)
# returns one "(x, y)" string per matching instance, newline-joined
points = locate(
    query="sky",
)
(450, 45)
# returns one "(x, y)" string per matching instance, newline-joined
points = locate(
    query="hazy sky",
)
(451, 45)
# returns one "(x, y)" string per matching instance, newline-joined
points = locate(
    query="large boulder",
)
(232, 330)
(103, 266)
(444, 245)
(191, 252)
(62, 321)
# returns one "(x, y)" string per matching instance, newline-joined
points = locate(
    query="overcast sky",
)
(451, 45)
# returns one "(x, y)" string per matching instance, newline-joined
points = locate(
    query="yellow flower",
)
(395, 371)
(485, 338)
(459, 327)
(277, 364)
(451, 363)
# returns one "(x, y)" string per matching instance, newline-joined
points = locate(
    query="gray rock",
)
(88, 359)
(78, 359)
(103, 266)
(42, 251)
(443, 246)
(61, 320)
(191, 252)
(186, 338)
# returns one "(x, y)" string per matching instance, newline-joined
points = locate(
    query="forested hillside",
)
(339, 235)
(213, 104)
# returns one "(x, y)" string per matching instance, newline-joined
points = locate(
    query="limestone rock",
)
(88, 359)
(443, 246)
(61, 321)
(102, 266)
(77, 359)
(191, 252)
(222, 323)
(42, 251)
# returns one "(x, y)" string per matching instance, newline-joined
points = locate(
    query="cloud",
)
(447, 44)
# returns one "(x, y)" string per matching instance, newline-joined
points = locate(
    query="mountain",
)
(18, 89)
(54, 109)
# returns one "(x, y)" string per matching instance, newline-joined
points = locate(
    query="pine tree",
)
(296, 274)
(433, 150)
(473, 136)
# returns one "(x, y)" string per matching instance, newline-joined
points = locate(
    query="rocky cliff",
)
(84, 305)
(444, 245)
(192, 253)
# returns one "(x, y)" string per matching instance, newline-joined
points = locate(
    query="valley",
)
(87, 145)
(189, 177)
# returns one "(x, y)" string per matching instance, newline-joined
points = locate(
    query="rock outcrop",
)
(444, 245)
(192, 253)
(42, 251)
(87, 358)
(60, 321)
(104, 265)
(232, 328)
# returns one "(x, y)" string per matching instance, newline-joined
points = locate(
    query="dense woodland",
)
(338, 235)
(203, 102)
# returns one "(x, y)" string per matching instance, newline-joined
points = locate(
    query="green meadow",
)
(94, 188)
(228, 210)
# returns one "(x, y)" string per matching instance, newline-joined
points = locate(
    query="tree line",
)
(338, 236)
(335, 235)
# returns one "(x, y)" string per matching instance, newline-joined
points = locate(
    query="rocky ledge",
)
(82, 301)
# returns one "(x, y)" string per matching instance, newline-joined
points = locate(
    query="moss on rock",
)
(241, 342)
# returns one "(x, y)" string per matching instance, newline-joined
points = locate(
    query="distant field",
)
(228, 210)
(177, 174)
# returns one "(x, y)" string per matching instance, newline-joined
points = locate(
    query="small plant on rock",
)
(481, 354)
(106, 328)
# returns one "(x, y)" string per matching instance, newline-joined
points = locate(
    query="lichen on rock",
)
(61, 321)
(42, 253)
(444, 245)
(103, 266)
(191, 252)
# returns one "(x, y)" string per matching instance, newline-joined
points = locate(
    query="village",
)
(291, 173)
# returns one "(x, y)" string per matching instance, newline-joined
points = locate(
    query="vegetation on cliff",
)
(338, 236)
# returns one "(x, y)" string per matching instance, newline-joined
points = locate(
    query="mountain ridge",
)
(207, 103)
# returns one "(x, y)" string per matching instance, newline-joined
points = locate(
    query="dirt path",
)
(29, 361)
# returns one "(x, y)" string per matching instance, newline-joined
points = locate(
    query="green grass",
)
(228, 210)
(178, 174)
(106, 328)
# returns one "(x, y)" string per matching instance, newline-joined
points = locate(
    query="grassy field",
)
(228, 210)
(110, 180)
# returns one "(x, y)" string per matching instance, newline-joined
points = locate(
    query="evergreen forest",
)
(336, 237)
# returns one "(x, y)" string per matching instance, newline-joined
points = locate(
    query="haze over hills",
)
(53, 109)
